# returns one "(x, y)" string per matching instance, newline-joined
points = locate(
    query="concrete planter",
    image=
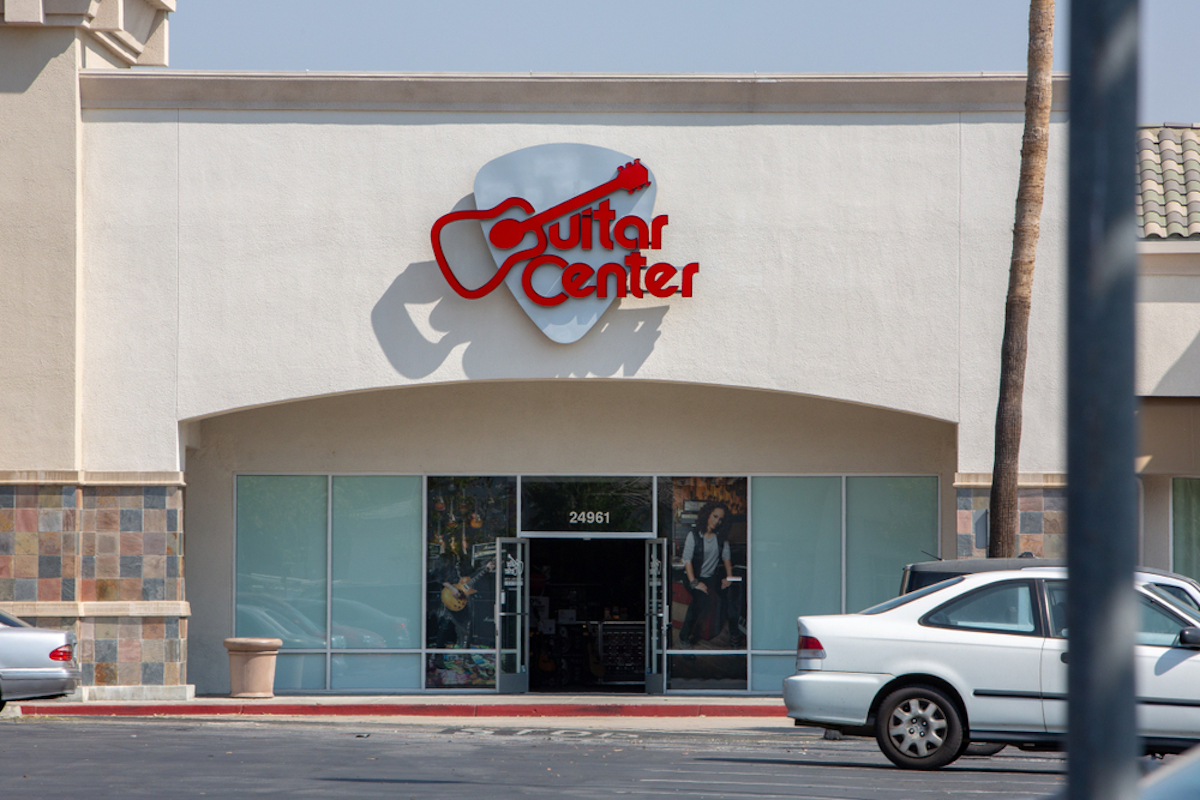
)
(252, 666)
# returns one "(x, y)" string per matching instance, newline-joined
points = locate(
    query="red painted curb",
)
(743, 711)
(395, 710)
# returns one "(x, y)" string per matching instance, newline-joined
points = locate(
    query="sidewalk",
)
(426, 705)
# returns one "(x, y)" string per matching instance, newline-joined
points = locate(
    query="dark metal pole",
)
(1101, 440)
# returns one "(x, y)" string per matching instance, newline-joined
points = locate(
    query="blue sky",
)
(687, 36)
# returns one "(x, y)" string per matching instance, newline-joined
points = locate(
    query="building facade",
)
(256, 387)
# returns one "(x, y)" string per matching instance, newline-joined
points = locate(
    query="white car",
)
(35, 663)
(982, 658)
(926, 573)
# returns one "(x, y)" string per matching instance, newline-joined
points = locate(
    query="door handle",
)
(1063, 657)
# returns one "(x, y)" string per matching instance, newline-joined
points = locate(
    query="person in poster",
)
(452, 614)
(708, 563)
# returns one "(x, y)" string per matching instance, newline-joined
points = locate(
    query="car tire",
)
(983, 748)
(919, 727)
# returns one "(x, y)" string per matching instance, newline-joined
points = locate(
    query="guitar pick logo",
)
(566, 225)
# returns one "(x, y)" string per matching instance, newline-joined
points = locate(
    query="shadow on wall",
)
(1183, 378)
(25, 56)
(420, 323)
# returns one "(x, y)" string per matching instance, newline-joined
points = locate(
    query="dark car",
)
(927, 573)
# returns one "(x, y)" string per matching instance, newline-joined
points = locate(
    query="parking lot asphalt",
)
(585, 758)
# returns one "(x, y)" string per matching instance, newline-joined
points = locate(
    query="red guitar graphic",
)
(508, 233)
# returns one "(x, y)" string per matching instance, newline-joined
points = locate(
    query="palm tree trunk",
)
(1005, 514)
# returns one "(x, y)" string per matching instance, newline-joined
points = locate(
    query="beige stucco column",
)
(42, 48)
(98, 553)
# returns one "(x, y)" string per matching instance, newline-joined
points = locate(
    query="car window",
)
(1172, 602)
(1157, 627)
(1056, 599)
(11, 622)
(1004, 608)
(896, 602)
(1180, 594)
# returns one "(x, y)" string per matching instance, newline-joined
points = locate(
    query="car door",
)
(1168, 675)
(988, 643)
(1054, 659)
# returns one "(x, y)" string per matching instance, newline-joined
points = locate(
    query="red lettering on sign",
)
(641, 236)
(585, 229)
(572, 239)
(574, 278)
(509, 232)
(688, 272)
(657, 277)
(604, 215)
(635, 261)
(527, 279)
(659, 223)
(617, 271)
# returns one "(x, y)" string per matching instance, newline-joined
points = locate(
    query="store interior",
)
(587, 615)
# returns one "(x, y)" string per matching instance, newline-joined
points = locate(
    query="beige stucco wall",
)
(40, 210)
(42, 307)
(849, 249)
(1169, 319)
(532, 427)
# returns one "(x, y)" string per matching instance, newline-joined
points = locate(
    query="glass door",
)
(512, 615)
(656, 615)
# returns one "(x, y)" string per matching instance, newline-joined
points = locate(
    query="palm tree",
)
(1005, 515)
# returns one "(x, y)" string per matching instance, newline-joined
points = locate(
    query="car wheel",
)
(983, 748)
(919, 727)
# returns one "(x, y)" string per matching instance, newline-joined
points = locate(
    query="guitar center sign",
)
(567, 226)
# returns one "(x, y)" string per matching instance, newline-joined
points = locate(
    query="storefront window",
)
(570, 505)
(376, 672)
(466, 515)
(768, 672)
(704, 520)
(1185, 526)
(296, 672)
(797, 555)
(460, 670)
(377, 562)
(286, 527)
(334, 566)
(706, 672)
(890, 522)
(281, 549)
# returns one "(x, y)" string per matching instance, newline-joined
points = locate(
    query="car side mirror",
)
(1190, 637)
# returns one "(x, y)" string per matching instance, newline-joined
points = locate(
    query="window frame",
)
(1146, 593)
(1162, 607)
(1036, 602)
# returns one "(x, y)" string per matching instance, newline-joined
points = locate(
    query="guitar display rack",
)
(622, 652)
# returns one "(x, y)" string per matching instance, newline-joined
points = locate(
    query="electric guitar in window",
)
(455, 597)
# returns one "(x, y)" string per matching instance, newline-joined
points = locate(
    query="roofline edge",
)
(491, 92)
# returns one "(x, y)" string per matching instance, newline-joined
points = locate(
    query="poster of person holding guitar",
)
(453, 614)
(465, 516)
(706, 518)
